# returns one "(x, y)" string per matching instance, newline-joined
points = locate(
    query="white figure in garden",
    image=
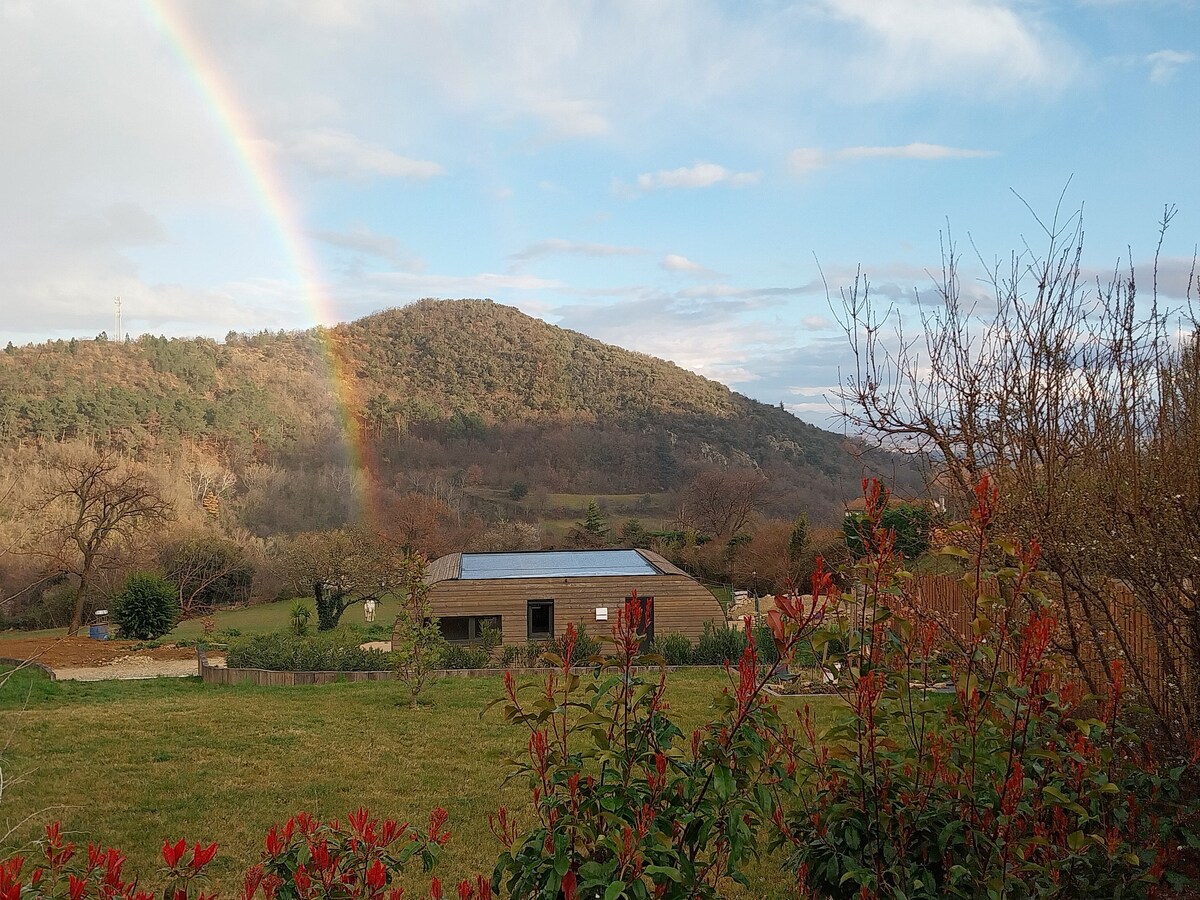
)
(369, 610)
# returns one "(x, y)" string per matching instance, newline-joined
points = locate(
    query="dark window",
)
(464, 629)
(541, 620)
(641, 615)
(454, 628)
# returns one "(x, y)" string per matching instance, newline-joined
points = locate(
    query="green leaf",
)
(1059, 798)
(723, 782)
(668, 871)
(614, 890)
(954, 551)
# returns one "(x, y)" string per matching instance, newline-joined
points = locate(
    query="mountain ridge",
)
(434, 385)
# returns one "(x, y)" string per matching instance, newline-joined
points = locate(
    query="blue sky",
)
(673, 177)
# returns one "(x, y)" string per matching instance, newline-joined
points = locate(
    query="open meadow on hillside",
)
(133, 763)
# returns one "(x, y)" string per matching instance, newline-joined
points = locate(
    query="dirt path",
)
(82, 659)
(134, 666)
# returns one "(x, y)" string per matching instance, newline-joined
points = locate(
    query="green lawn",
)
(132, 763)
(618, 503)
(265, 617)
(261, 617)
(16, 634)
(723, 594)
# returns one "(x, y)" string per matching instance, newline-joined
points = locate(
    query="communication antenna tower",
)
(118, 305)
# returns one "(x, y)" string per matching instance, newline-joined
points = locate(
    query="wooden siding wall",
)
(681, 606)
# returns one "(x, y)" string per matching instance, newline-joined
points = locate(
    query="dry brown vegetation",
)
(453, 404)
(1080, 399)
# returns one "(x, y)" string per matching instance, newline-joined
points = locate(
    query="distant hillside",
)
(438, 387)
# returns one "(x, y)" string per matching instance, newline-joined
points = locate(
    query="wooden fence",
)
(948, 600)
(269, 678)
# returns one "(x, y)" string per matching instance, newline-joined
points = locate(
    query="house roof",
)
(548, 564)
(444, 568)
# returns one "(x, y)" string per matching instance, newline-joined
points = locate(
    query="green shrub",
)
(1012, 785)
(333, 651)
(531, 654)
(909, 521)
(675, 649)
(718, 645)
(147, 608)
(371, 631)
(490, 639)
(511, 655)
(765, 645)
(465, 656)
(301, 613)
(582, 648)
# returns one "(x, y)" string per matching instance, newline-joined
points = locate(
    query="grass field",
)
(40, 633)
(261, 617)
(132, 763)
(264, 617)
(557, 514)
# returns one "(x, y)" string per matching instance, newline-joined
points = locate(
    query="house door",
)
(641, 614)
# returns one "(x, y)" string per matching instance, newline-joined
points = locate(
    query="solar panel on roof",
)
(554, 564)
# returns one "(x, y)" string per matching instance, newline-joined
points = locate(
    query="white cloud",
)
(558, 246)
(362, 240)
(78, 301)
(1163, 64)
(953, 45)
(673, 262)
(570, 119)
(340, 154)
(913, 151)
(464, 285)
(372, 291)
(815, 323)
(728, 292)
(120, 224)
(709, 337)
(804, 160)
(701, 175)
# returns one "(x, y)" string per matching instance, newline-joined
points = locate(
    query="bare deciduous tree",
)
(90, 512)
(205, 567)
(720, 502)
(1081, 398)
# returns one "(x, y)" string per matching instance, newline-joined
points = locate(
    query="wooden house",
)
(532, 595)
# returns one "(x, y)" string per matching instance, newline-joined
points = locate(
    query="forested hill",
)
(494, 360)
(439, 387)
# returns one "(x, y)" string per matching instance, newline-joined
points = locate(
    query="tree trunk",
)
(80, 598)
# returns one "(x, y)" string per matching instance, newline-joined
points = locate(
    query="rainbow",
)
(254, 157)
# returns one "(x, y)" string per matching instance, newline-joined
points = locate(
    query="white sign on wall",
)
(601, 613)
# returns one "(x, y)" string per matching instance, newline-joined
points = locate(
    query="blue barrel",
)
(98, 632)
